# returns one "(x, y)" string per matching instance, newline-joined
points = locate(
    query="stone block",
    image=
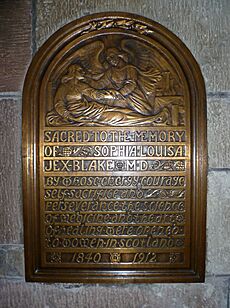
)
(15, 43)
(11, 261)
(203, 25)
(10, 172)
(212, 294)
(219, 132)
(218, 227)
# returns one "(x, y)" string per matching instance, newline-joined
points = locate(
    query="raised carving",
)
(55, 257)
(115, 257)
(114, 86)
(114, 155)
(127, 24)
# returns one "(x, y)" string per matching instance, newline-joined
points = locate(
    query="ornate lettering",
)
(113, 155)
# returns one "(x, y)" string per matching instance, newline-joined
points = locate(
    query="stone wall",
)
(203, 25)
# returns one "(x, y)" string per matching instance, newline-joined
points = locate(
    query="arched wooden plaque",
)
(114, 155)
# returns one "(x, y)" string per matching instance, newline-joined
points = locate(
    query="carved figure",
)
(77, 103)
(110, 86)
(133, 86)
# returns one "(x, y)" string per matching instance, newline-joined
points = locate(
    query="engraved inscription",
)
(87, 210)
(114, 155)
(129, 181)
(118, 135)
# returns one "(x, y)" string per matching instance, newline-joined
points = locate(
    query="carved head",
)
(114, 56)
(74, 71)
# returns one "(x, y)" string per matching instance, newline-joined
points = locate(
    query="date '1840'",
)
(114, 161)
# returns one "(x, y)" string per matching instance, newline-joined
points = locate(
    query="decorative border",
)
(126, 24)
(42, 59)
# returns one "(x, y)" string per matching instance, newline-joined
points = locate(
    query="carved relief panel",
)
(114, 151)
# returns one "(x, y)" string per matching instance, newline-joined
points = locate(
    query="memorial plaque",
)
(114, 153)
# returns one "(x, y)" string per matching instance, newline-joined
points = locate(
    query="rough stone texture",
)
(219, 132)
(11, 261)
(203, 25)
(15, 43)
(212, 294)
(10, 171)
(218, 248)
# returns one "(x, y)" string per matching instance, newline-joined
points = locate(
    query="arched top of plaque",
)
(114, 69)
(104, 72)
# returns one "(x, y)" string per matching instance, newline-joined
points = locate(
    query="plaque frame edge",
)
(29, 145)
